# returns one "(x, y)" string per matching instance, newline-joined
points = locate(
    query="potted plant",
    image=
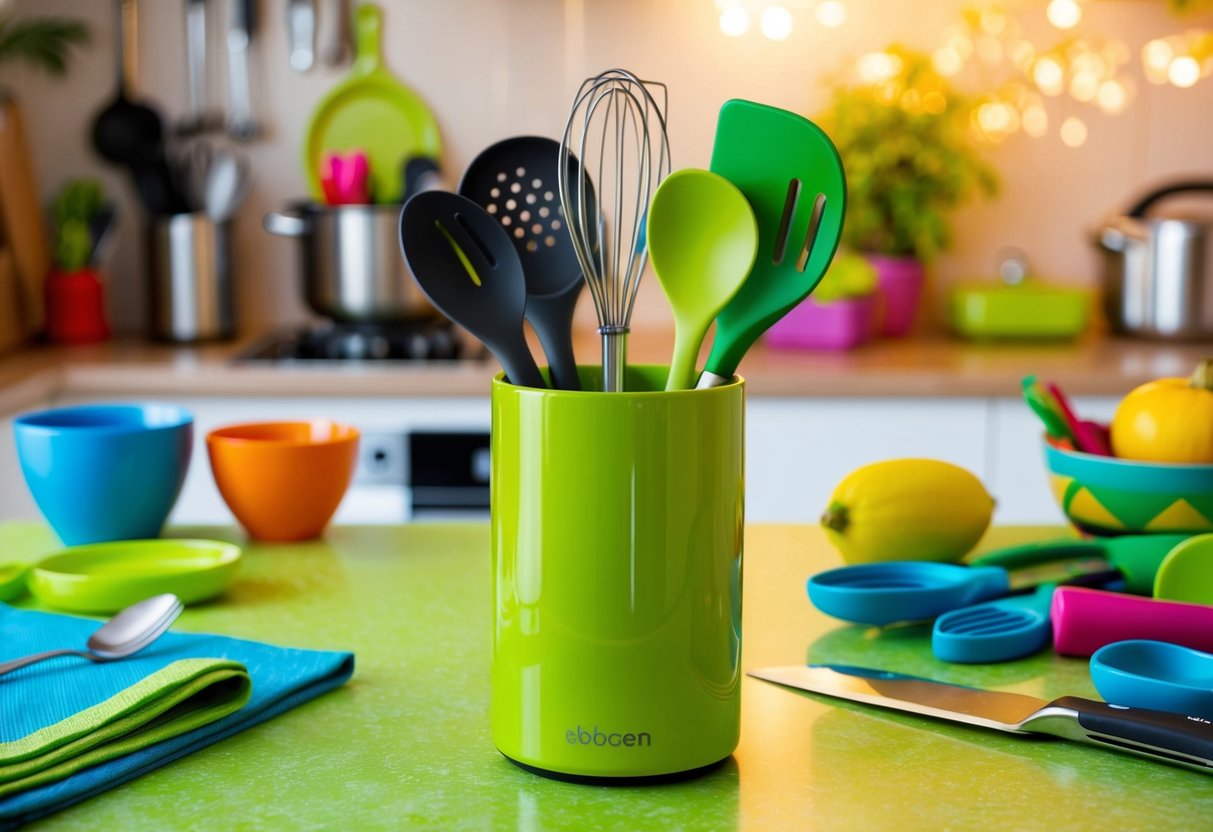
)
(910, 161)
(840, 314)
(75, 294)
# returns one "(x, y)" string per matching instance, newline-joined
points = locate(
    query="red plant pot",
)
(75, 307)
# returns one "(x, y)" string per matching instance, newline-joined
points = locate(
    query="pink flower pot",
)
(900, 281)
(838, 325)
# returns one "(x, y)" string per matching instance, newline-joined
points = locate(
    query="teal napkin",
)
(70, 729)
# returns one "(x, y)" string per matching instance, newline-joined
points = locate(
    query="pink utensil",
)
(1086, 619)
(345, 178)
(1089, 437)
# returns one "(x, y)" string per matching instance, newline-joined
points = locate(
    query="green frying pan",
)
(374, 112)
(792, 176)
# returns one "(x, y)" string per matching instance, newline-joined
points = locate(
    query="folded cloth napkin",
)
(70, 729)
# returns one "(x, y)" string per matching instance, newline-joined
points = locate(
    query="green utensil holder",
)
(617, 551)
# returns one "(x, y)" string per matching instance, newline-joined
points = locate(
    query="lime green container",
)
(617, 546)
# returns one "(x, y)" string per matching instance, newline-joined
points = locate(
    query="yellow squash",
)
(907, 509)
(1169, 420)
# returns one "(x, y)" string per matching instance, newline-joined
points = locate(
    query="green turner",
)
(792, 176)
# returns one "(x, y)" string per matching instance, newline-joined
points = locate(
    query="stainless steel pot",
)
(350, 258)
(191, 279)
(1158, 269)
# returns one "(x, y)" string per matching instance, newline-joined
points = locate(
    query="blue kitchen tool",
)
(1155, 674)
(995, 631)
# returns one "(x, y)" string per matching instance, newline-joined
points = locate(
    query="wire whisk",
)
(617, 129)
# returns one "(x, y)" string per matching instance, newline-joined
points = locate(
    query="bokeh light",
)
(775, 23)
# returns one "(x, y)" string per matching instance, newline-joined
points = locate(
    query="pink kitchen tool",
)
(1086, 619)
(345, 178)
(1089, 437)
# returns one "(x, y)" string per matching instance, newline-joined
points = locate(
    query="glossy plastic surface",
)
(1029, 310)
(617, 547)
(283, 480)
(1186, 573)
(883, 593)
(105, 472)
(1156, 675)
(994, 631)
(1086, 619)
(107, 577)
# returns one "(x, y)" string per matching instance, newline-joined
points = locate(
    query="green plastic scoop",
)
(702, 239)
(372, 111)
(791, 174)
(1186, 573)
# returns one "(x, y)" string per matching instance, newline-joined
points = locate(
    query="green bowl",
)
(1106, 496)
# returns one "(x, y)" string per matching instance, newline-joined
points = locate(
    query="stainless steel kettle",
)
(1158, 269)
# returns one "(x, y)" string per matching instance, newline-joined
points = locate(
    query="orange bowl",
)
(283, 480)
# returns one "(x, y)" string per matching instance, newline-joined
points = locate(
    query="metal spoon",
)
(125, 634)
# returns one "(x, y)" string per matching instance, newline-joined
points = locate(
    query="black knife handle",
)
(1169, 737)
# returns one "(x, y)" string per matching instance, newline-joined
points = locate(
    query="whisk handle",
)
(614, 357)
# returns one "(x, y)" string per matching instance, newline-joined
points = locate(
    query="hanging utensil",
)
(466, 265)
(333, 32)
(227, 184)
(791, 174)
(128, 132)
(242, 20)
(702, 237)
(617, 129)
(197, 118)
(515, 180)
(301, 27)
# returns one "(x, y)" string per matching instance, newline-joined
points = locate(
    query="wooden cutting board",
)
(12, 321)
(22, 226)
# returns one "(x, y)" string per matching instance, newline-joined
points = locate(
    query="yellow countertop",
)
(930, 365)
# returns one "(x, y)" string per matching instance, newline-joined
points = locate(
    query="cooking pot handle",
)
(286, 223)
(1143, 205)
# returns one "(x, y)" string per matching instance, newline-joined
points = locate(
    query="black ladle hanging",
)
(466, 265)
(515, 180)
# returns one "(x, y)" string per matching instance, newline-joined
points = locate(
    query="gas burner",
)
(359, 343)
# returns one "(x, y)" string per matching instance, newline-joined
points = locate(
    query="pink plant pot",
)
(838, 325)
(900, 281)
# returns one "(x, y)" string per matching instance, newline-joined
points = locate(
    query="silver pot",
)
(1158, 269)
(350, 258)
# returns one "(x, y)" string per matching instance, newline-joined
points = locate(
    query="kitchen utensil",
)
(125, 634)
(1165, 737)
(104, 577)
(12, 580)
(283, 480)
(1089, 437)
(370, 109)
(702, 239)
(190, 270)
(1158, 268)
(1018, 305)
(344, 178)
(640, 632)
(1105, 495)
(101, 230)
(350, 265)
(515, 180)
(796, 187)
(994, 631)
(22, 227)
(106, 471)
(227, 184)
(333, 32)
(466, 265)
(198, 117)
(241, 29)
(420, 174)
(191, 164)
(1136, 557)
(1186, 573)
(1086, 619)
(125, 131)
(301, 28)
(1043, 404)
(883, 593)
(1155, 675)
(618, 128)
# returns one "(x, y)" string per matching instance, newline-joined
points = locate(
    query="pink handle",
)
(1086, 619)
(1088, 436)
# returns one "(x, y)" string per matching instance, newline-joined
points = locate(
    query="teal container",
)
(617, 549)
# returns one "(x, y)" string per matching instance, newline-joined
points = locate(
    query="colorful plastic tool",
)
(1186, 573)
(1089, 437)
(1086, 619)
(1155, 675)
(994, 631)
(791, 174)
(372, 110)
(1046, 408)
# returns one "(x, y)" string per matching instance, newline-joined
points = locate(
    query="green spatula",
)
(790, 173)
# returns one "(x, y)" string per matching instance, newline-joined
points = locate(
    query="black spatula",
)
(515, 181)
(466, 265)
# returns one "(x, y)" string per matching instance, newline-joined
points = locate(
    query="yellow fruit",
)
(907, 509)
(1169, 420)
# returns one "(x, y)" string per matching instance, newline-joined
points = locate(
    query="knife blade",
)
(1167, 737)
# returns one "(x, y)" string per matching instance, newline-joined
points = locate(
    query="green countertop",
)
(406, 743)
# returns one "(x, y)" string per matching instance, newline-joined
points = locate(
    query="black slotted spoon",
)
(465, 264)
(515, 181)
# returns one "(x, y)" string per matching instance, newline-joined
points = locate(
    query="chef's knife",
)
(1167, 737)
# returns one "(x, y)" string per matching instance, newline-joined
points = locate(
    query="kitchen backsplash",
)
(492, 68)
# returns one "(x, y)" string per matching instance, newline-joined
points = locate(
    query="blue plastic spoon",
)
(1155, 674)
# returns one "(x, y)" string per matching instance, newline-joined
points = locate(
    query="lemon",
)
(907, 509)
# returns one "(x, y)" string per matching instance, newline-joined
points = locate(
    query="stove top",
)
(329, 343)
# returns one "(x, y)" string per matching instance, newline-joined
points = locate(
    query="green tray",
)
(1029, 310)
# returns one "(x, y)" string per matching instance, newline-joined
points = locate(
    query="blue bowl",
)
(105, 472)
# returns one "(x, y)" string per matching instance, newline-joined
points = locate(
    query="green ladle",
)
(702, 240)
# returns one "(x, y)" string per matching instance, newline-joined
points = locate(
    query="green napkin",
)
(178, 698)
